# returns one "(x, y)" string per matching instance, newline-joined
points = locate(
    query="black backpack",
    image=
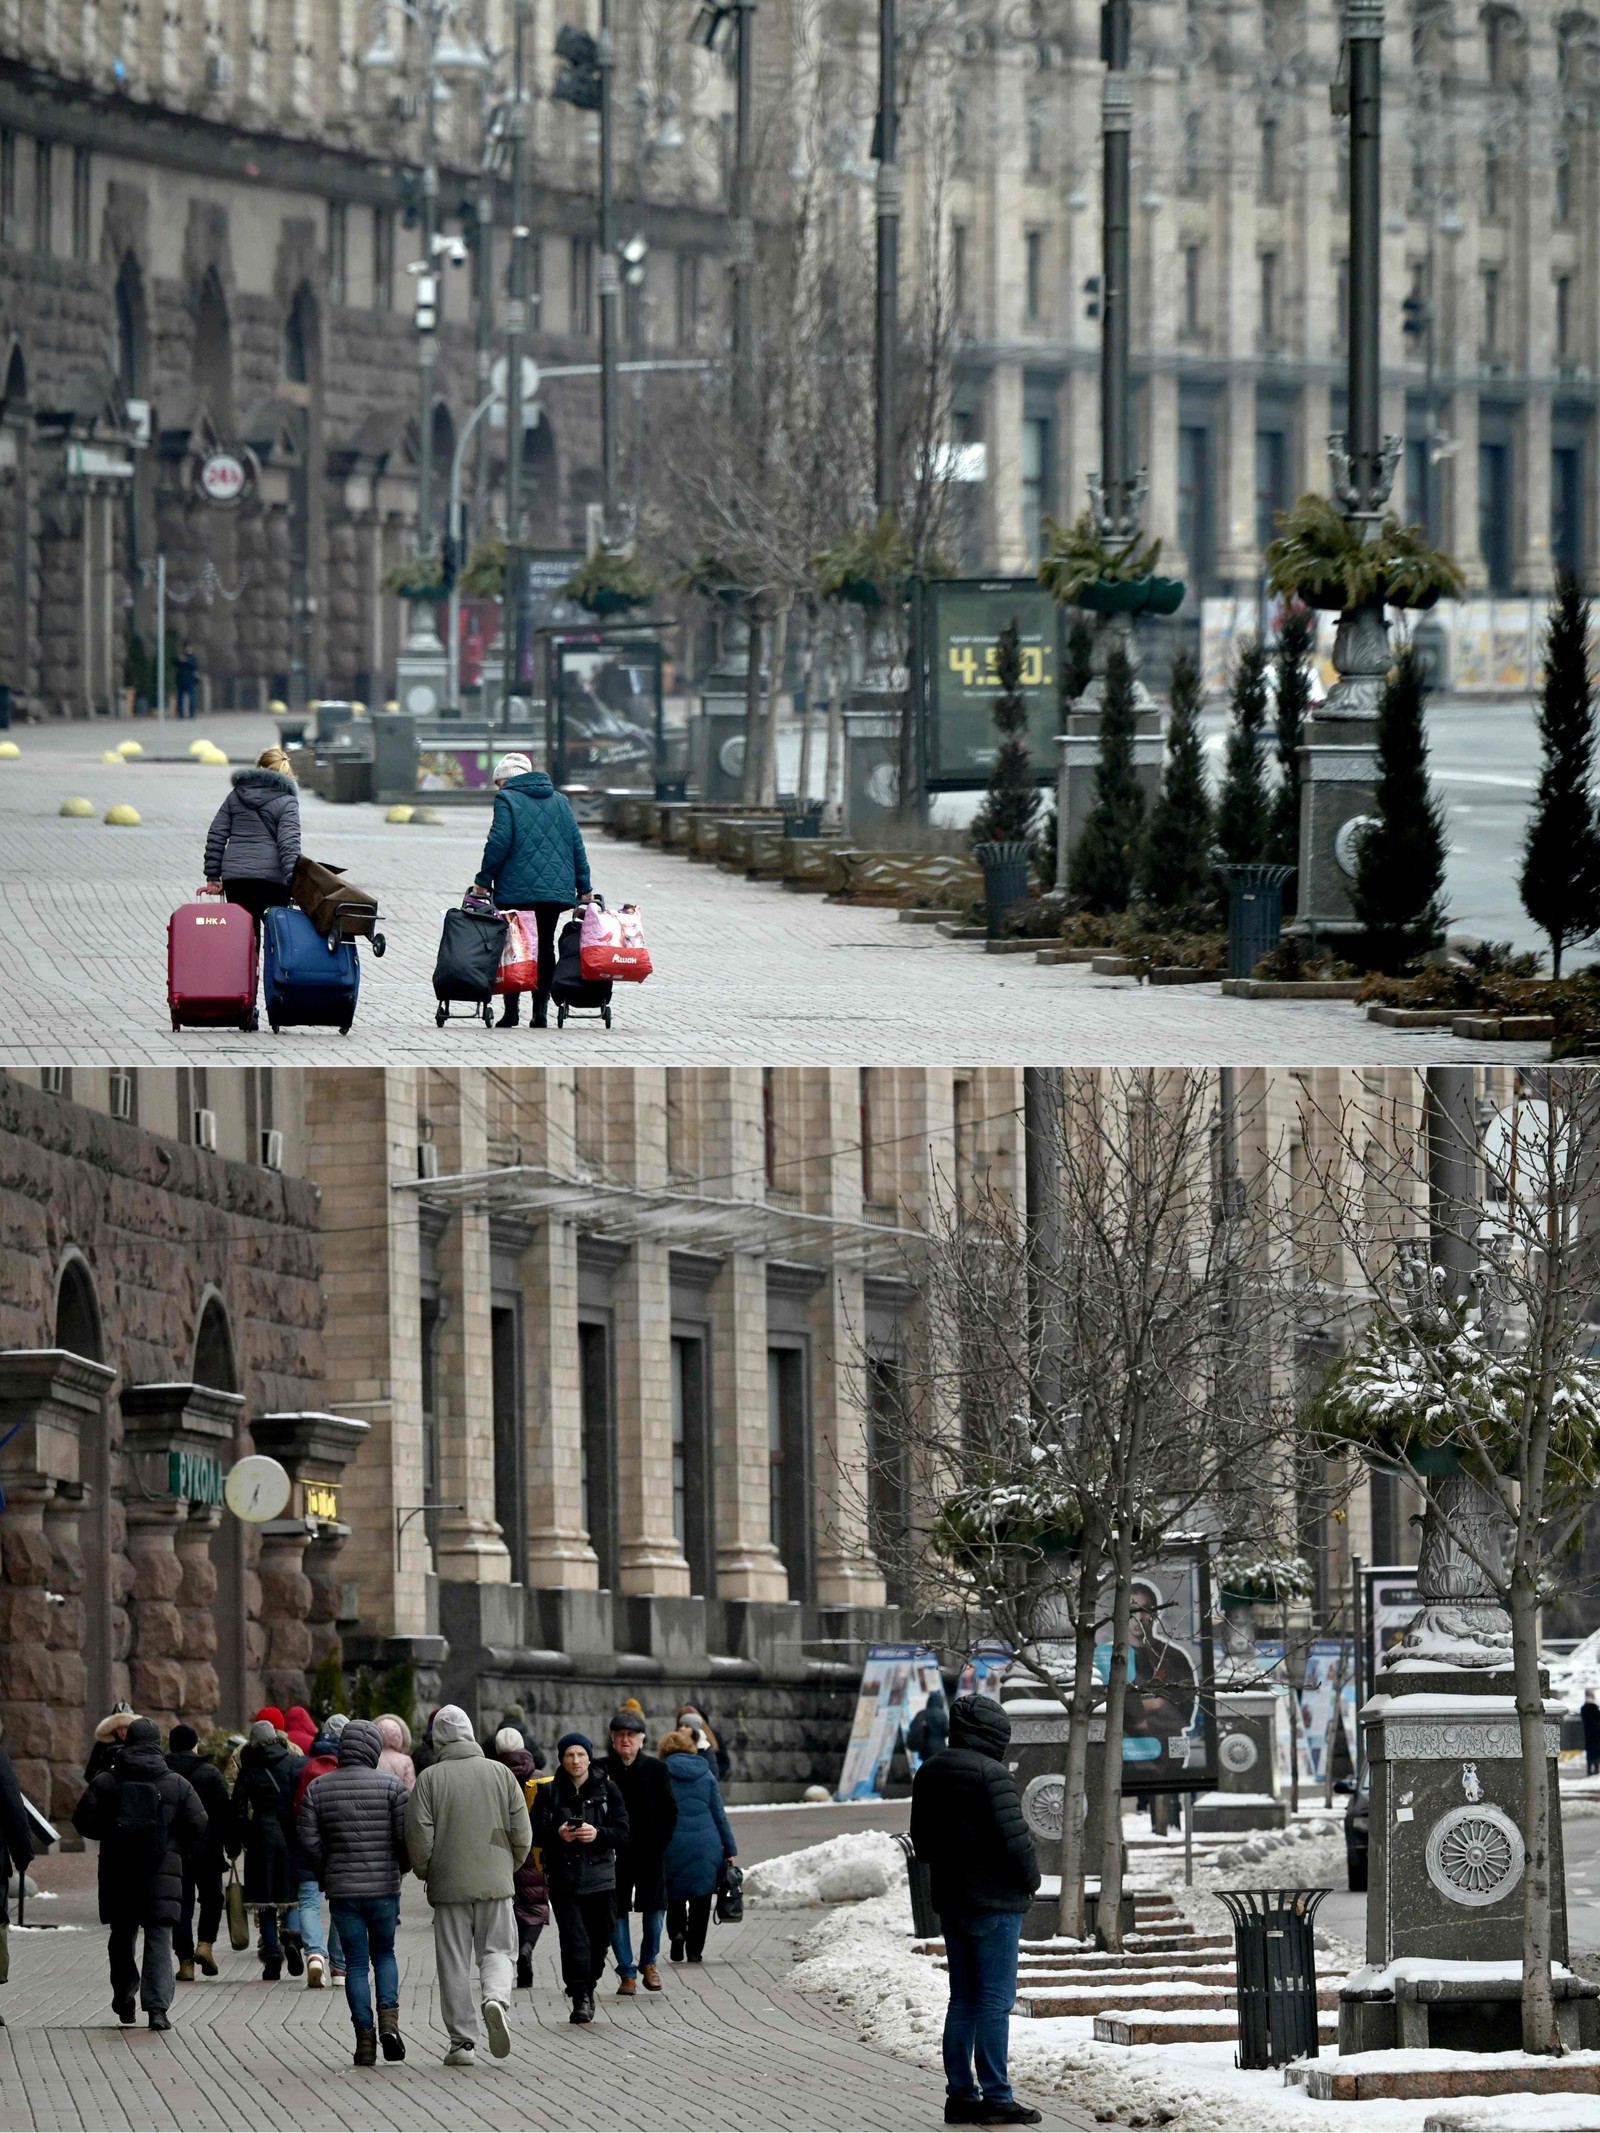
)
(141, 1824)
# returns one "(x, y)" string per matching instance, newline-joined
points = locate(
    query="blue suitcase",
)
(306, 977)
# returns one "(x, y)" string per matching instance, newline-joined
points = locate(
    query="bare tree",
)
(1480, 1391)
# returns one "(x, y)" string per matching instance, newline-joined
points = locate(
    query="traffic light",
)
(578, 83)
(1091, 295)
(1416, 315)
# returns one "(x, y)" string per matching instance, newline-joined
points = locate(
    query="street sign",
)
(257, 1489)
(500, 379)
(223, 477)
(963, 618)
(93, 462)
(196, 1477)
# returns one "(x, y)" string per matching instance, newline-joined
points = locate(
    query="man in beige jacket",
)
(467, 1831)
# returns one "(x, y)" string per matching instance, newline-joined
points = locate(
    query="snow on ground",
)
(846, 1869)
(862, 1957)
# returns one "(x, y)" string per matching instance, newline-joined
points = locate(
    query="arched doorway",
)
(15, 606)
(215, 1365)
(79, 1331)
(132, 373)
(302, 369)
(212, 362)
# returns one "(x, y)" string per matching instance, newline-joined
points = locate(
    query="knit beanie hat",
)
(272, 1715)
(144, 1733)
(575, 1740)
(262, 1734)
(507, 1740)
(514, 765)
(181, 1739)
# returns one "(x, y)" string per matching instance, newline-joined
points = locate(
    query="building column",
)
(1238, 558)
(748, 1567)
(197, 1598)
(1002, 426)
(1532, 485)
(155, 1669)
(847, 1571)
(649, 1559)
(559, 1553)
(315, 1449)
(285, 1609)
(470, 1547)
(1161, 396)
(1461, 490)
(67, 1641)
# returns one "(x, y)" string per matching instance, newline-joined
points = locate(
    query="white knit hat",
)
(508, 1738)
(511, 766)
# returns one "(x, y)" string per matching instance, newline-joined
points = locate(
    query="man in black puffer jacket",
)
(352, 1833)
(967, 1828)
(147, 1821)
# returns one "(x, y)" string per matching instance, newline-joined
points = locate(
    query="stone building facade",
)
(161, 1312)
(1240, 235)
(207, 237)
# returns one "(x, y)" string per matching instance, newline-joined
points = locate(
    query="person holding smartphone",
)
(581, 1823)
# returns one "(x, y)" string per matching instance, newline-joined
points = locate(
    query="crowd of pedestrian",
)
(293, 1815)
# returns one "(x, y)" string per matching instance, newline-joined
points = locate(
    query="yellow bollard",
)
(402, 813)
(123, 817)
(9, 751)
(79, 809)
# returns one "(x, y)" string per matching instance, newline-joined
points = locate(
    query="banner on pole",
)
(896, 1682)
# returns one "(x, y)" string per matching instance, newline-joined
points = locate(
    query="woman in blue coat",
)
(699, 1844)
(534, 861)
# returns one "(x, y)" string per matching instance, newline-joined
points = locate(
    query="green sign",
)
(195, 1476)
(963, 618)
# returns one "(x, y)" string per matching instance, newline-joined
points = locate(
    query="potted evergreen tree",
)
(1398, 889)
(1101, 866)
(1177, 873)
(1297, 637)
(1003, 828)
(1244, 821)
(1560, 879)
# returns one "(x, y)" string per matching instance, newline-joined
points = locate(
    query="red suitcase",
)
(211, 965)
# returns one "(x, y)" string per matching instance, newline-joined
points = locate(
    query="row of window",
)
(51, 169)
(791, 1508)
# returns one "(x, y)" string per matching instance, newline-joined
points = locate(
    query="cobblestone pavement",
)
(746, 972)
(727, 2044)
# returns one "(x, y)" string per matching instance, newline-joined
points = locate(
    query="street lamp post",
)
(711, 18)
(610, 283)
(1339, 758)
(513, 603)
(1117, 492)
(888, 284)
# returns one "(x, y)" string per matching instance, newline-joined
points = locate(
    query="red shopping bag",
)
(519, 959)
(612, 946)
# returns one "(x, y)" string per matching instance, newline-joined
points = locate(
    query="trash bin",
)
(803, 822)
(924, 1918)
(1005, 880)
(1255, 913)
(1275, 1973)
(5, 707)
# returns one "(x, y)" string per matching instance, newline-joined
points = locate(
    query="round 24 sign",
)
(224, 477)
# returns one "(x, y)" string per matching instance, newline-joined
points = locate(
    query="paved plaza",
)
(726, 2044)
(746, 972)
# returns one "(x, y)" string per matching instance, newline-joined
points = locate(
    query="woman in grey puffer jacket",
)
(254, 839)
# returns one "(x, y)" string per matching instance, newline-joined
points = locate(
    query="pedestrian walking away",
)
(145, 1818)
(263, 1829)
(700, 1845)
(530, 1892)
(396, 1756)
(581, 1823)
(186, 673)
(1589, 1714)
(254, 842)
(967, 1827)
(535, 861)
(647, 1794)
(691, 1719)
(16, 1853)
(929, 1731)
(202, 1869)
(323, 1952)
(351, 1833)
(468, 1830)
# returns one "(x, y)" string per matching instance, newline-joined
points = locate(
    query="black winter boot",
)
(524, 1972)
(294, 1954)
(366, 2047)
(394, 2045)
(511, 1013)
(541, 1014)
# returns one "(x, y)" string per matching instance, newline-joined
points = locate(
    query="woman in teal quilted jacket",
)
(534, 861)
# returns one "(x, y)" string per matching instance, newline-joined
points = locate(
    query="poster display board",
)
(609, 729)
(961, 621)
(896, 1682)
(1390, 1603)
(1329, 1685)
(1169, 1732)
(544, 572)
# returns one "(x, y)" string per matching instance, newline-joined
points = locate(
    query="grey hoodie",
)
(255, 833)
(467, 1823)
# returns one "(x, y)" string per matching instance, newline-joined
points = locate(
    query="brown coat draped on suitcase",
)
(333, 905)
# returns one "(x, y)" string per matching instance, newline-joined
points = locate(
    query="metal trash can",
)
(1005, 880)
(1275, 1973)
(1255, 913)
(924, 1918)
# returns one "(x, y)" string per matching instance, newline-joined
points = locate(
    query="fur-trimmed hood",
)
(256, 787)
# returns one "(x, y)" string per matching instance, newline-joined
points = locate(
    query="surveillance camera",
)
(458, 252)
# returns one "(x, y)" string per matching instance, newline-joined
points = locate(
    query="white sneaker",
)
(315, 1969)
(461, 2055)
(494, 2021)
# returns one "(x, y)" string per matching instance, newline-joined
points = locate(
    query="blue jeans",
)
(649, 1946)
(267, 1922)
(310, 1908)
(366, 1927)
(981, 1950)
